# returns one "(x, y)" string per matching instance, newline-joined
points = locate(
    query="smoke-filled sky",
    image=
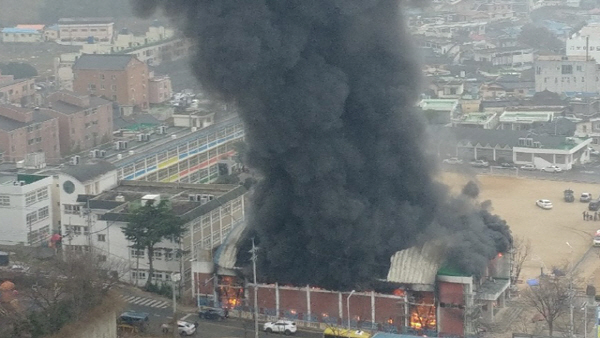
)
(326, 89)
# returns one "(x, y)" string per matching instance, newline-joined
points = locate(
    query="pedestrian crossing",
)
(143, 301)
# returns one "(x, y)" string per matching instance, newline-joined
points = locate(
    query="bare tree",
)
(521, 251)
(550, 298)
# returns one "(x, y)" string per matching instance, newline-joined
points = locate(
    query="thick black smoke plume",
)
(326, 89)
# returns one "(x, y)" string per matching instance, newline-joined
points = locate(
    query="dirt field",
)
(549, 230)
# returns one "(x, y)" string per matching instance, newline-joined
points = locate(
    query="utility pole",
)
(571, 293)
(175, 277)
(253, 252)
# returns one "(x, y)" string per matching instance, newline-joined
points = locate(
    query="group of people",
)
(588, 216)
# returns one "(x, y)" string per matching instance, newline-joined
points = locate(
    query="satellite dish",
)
(176, 277)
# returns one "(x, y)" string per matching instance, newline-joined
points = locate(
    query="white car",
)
(528, 167)
(480, 164)
(286, 327)
(185, 328)
(453, 160)
(544, 204)
(552, 169)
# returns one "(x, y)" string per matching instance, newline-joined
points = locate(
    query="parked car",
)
(506, 165)
(544, 204)
(286, 327)
(594, 205)
(480, 164)
(453, 160)
(213, 313)
(586, 197)
(569, 197)
(185, 328)
(596, 240)
(552, 169)
(528, 167)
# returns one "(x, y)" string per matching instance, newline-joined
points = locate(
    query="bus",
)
(337, 332)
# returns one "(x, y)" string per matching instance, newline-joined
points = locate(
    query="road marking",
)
(153, 303)
(186, 316)
(146, 302)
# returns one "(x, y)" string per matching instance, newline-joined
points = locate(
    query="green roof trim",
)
(28, 179)
(449, 270)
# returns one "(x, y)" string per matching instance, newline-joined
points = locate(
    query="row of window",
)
(76, 230)
(4, 201)
(566, 79)
(592, 48)
(73, 209)
(34, 140)
(64, 31)
(157, 275)
(159, 254)
(38, 236)
(36, 196)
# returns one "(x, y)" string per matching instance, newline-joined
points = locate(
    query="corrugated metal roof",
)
(103, 61)
(416, 265)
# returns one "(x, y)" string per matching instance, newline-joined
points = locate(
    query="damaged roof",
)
(416, 265)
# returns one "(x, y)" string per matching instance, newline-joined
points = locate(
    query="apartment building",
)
(118, 77)
(84, 121)
(26, 209)
(28, 130)
(160, 89)
(82, 29)
(566, 74)
(211, 212)
(16, 91)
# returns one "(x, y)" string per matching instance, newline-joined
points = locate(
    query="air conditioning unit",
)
(147, 137)
(141, 137)
(119, 156)
(131, 152)
(529, 142)
(203, 200)
(19, 183)
(173, 136)
(162, 129)
(95, 153)
(102, 153)
(75, 160)
(194, 129)
(124, 144)
(192, 198)
(521, 142)
(537, 144)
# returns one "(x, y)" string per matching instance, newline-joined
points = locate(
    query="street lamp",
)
(348, 306)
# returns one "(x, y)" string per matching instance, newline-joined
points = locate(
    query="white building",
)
(566, 74)
(586, 42)
(25, 209)
(525, 119)
(211, 212)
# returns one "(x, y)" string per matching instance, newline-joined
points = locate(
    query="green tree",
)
(18, 70)
(150, 224)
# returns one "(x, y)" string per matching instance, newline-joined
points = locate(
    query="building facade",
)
(16, 91)
(116, 77)
(160, 89)
(84, 121)
(21, 35)
(28, 130)
(192, 158)
(210, 212)
(26, 209)
(566, 74)
(82, 29)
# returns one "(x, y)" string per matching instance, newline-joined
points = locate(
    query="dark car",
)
(594, 205)
(213, 313)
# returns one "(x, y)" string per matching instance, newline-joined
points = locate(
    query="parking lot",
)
(513, 198)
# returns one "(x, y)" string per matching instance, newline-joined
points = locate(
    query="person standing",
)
(584, 214)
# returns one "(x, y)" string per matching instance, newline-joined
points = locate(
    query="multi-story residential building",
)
(82, 29)
(16, 91)
(160, 89)
(26, 209)
(84, 121)
(120, 78)
(566, 74)
(28, 130)
(589, 128)
(210, 212)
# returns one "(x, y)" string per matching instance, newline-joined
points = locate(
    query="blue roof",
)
(20, 30)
